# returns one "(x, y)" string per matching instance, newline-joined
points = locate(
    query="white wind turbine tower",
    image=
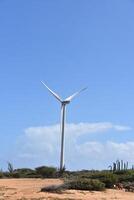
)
(63, 113)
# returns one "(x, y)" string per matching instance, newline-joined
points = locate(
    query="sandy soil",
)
(29, 189)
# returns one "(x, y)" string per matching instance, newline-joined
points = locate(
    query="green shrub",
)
(109, 180)
(25, 173)
(86, 184)
(76, 184)
(16, 175)
(24, 170)
(1, 174)
(46, 172)
(6, 174)
(126, 178)
(121, 172)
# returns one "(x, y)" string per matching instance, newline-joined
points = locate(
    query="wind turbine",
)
(63, 113)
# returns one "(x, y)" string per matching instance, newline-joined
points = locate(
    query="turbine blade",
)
(74, 95)
(53, 93)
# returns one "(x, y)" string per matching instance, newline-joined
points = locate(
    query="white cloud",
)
(122, 128)
(41, 145)
(107, 152)
(77, 129)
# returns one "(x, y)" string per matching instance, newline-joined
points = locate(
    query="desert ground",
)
(29, 189)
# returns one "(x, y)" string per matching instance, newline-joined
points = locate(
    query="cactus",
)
(127, 165)
(114, 166)
(10, 167)
(124, 166)
(119, 165)
(110, 167)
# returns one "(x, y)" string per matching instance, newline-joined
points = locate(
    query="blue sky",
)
(68, 45)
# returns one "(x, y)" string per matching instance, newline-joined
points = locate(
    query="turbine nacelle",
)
(65, 102)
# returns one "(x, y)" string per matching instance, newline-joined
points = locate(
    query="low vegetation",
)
(79, 180)
(46, 172)
(86, 184)
(76, 184)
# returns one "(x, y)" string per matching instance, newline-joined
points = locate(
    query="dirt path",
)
(29, 189)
